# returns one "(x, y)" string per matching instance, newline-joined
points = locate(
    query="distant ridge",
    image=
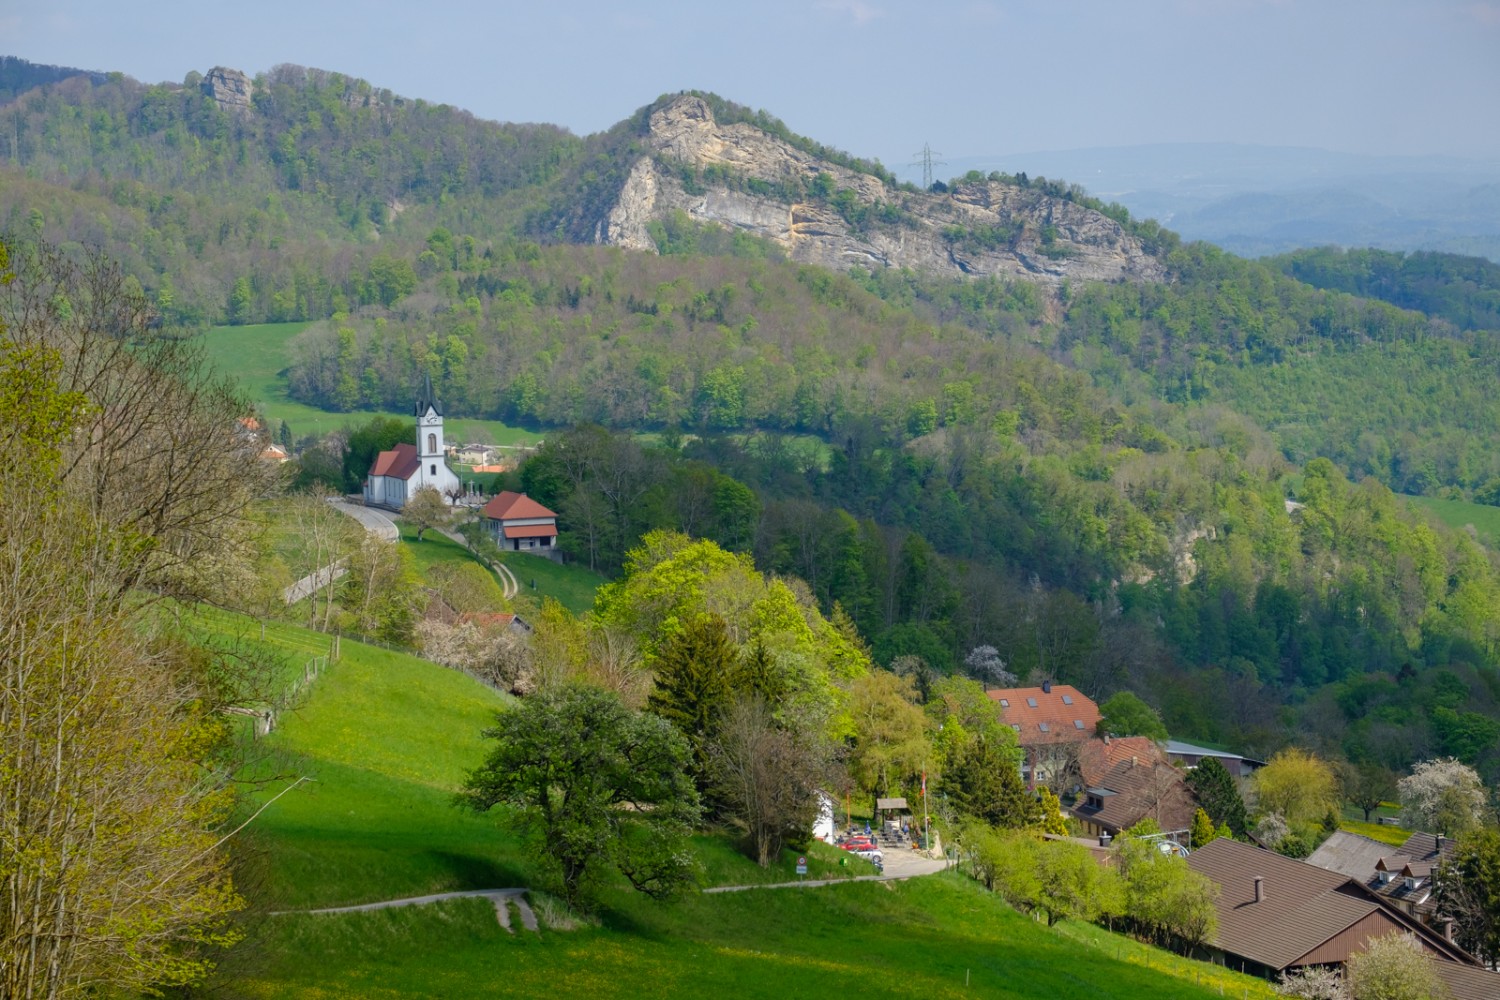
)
(17, 76)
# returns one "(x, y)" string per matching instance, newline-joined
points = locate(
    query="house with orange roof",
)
(520, 524)
(1051, 723)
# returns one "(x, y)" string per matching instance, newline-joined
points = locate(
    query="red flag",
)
(924, 784)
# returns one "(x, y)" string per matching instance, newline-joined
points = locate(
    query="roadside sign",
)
(801, 866)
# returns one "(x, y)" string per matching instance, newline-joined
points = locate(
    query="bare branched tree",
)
(769, 774)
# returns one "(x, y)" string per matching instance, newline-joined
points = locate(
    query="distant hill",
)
(18, 76)
(1256, 200)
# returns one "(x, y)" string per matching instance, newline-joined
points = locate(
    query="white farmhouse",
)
(406, 468)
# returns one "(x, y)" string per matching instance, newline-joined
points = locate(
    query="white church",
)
(406, 468)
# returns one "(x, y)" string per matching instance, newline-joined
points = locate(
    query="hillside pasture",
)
(258, 356)
(1461, 514)
(386, 739)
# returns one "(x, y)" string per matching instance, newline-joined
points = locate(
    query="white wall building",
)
(403, 470)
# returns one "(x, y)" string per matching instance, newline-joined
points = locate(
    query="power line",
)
(926, 162)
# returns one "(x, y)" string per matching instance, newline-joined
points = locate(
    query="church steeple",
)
(427, 399)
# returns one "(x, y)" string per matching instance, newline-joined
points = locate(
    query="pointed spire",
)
(427, 398)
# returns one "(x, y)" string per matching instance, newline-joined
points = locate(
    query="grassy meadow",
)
(386, 738)
(259, 355)
(1460, 514)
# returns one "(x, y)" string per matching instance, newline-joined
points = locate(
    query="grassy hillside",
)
(258, 355)
(1460, 514)
(386, 739)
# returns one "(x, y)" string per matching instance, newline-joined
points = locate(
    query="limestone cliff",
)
(986, 228)
(229, 87)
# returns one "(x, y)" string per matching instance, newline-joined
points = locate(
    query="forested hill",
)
(1465, 291)
(1088, 475)
(17, 76)
(302, 193)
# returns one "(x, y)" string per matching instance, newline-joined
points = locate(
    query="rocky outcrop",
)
(985, 228)
(229, 87)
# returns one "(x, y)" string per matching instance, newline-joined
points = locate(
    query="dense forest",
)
(1093, 479)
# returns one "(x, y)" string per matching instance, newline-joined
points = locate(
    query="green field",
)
(258, 355)
(571, 585)
(1460, 514)
(386, 738)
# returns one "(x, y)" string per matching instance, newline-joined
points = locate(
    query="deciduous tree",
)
(1443, 796)
(1393, 967)
(1298, 785)
(426, 509)
(593, 784)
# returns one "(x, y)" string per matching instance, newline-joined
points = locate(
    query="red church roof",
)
(509, 506)
(400, 462)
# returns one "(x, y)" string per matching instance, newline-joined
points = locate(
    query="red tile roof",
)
(530, 530)
(486, 619)
(1062, 715)
(509, 506)
(1096, 757)
(401, 462)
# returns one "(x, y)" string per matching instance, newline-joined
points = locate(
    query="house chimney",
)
(1105, 838)
(1046, 687)
(1260, 889)
(1448, 929)
(1106, 737)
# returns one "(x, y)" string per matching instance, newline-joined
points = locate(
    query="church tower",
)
(430, 445)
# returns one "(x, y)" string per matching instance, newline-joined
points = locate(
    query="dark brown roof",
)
(1303, 906)
(1133, 790)
(509, 506)
(398, 463)
(1061, 715)
(1468, 982)
(1427, 847)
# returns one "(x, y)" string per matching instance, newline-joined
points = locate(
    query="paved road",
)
(313, 582)
(377, 522)
(500, 897)
(509, 585)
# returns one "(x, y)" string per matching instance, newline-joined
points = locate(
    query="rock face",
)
(985, 228)
(229, 87)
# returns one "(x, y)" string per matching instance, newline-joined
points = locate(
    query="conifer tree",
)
(1218, 794)
(695, 673)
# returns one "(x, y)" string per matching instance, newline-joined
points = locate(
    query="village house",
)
(398, 473)
(1050, 723)
(1276, 914)
(1136, 788)
(520, 524)
(1402, 876)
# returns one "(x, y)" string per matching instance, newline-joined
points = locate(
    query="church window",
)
(432, 445)
(434, 469)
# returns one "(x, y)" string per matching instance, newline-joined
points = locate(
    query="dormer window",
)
(1411, 882)
(1385, 877)
(1095, 802)
(1031, 702)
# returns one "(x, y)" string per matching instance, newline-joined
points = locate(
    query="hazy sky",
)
(877, 78)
